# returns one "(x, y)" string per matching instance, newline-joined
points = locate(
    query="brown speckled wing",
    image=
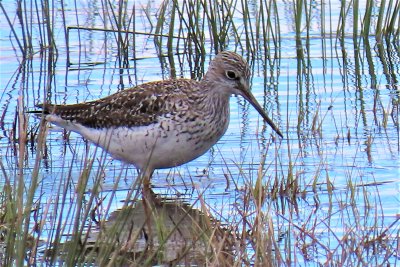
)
(138, 106)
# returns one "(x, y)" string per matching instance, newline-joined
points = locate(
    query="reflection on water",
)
(175, 234)
(333, 180)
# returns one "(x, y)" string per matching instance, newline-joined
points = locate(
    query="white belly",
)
(149, 147)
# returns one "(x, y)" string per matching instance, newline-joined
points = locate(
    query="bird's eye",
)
(231, 75)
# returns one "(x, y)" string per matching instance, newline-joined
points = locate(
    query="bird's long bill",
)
(249, 97)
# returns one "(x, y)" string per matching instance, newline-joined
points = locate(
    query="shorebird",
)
(162, 124)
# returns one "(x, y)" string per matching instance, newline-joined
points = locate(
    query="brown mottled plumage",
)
(165, 123)
(137, 106)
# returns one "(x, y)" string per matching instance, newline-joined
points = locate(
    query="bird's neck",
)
(213, 88)
(215, 98)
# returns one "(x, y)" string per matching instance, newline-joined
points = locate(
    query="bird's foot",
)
(150, 202)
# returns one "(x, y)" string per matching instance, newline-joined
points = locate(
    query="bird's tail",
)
(41, 109)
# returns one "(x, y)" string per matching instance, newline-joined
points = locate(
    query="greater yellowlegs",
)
(162, 124)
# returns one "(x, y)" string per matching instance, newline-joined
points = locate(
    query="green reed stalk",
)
(261, 32)
(171, 32)
(161, 20)
(59, 224)
(24, 209)
(379, 25)
(269, 31)
(81, 213)
(212, 23)
(248, 28)
(192, 17)
(308, 12)
(50, 18)
(277, 28)
(342, 21)
(64, 22)
(366, 23)
(197, 32)
(24, 22)
(393, 18)
(355, 7)
(298, 16)
(12, 28)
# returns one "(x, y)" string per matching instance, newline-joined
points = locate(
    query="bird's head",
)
(231, 74)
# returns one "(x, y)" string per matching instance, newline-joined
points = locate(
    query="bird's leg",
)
(147, 193)
(146, 190)
(148, 206)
